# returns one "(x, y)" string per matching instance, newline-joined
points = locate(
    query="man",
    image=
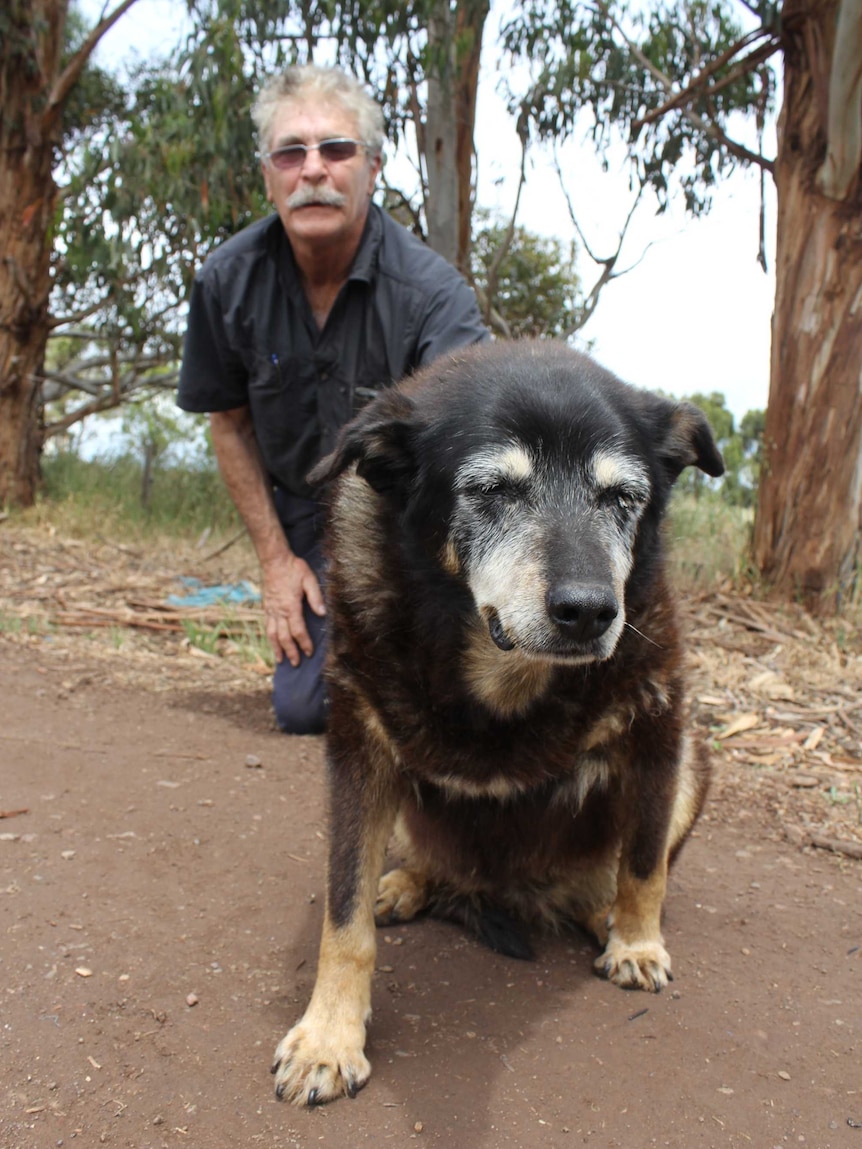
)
(294, 323)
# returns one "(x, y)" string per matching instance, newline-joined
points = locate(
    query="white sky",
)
(694, 315)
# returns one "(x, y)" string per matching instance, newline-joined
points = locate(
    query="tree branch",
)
(70, 74)
(609, 263)
(107, 402)
(490, 292)
(761, 53)
(702, 125)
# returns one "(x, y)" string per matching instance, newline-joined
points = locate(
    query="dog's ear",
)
(380, 441)
(688, 442)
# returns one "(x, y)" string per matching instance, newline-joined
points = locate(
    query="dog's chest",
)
(563, 747)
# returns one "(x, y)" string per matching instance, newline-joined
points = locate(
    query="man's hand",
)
(286, 585)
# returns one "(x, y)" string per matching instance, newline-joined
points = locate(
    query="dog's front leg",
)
(635, 957)
(323, 1056)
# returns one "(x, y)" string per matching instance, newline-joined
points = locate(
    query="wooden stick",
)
(837, 846)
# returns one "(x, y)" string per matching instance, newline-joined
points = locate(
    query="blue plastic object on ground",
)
(201, 595)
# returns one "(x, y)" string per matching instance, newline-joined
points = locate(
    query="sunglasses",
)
(331, 152)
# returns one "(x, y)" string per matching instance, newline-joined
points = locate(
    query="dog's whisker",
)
(645, 637)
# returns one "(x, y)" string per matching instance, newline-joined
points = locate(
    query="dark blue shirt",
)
(252, 339)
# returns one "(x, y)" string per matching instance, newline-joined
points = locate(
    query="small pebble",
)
(418, 1127)
(253, 761)
(192, 999)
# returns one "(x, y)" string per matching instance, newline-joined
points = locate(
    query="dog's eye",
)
(624, 500)
(494, 490)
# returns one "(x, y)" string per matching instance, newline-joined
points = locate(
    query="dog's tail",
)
(492, 925)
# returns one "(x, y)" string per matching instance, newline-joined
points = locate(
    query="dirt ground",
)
(162, 852)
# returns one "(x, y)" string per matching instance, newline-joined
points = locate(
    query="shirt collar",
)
(365, 263)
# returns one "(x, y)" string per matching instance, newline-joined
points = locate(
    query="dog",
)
(505, 675)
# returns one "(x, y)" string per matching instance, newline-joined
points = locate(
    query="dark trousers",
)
(298, 692)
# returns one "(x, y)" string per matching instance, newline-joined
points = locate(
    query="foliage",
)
(537, 286)
(620, 65)
(741, 448)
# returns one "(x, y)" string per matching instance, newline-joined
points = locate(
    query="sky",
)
(694, 315)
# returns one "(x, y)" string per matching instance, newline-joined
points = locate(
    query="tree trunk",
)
(809, 513)
(470, 24)
(441, 204)
(29, 63)
(454, 50)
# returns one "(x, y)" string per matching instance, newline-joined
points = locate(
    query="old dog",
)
(505, 676)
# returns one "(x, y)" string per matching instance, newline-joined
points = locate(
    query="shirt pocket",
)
(281, 381)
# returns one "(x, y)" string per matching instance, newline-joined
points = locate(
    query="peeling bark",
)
(807, 528)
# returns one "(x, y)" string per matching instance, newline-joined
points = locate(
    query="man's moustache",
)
(305, 197)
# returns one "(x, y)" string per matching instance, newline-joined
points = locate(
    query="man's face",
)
(351, 181)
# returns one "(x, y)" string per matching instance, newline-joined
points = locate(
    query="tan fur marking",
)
(515, 462)
(449, 558)
(512, 461)
(634, 956)
(507, 682)
(375, 728)
(401, 895)
(591, 772)
(499, 787)
(611, 724)
(610, 469)
(322, 1057)
(687, 800)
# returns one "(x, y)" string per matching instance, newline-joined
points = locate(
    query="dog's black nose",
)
(583, 611)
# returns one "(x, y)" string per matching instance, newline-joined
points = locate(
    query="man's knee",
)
(299, 698)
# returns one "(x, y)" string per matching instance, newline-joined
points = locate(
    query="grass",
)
(709, 541)
(184, 501)
(231, 636)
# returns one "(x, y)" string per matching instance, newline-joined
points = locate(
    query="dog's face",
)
(546, 544)
(537, 481)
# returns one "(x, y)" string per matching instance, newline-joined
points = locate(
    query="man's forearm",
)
(248, 483)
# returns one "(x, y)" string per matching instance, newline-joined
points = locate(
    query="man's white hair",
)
(305, 81)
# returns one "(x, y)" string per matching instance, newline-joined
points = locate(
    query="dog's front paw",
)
(635, 965)
(401, 895)
(315, 1064)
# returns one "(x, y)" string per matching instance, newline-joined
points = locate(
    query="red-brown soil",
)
(161, 888)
